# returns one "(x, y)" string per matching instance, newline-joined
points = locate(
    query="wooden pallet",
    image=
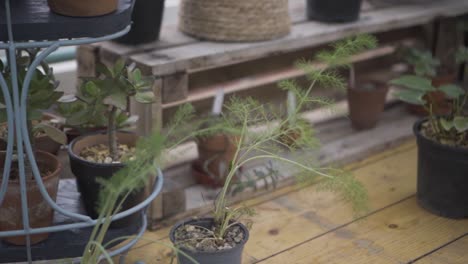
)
(187, 70)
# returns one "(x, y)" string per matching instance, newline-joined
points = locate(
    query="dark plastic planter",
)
(333, 10)
(87, 173)
(229, 256)
(147, 19)
(442, 177)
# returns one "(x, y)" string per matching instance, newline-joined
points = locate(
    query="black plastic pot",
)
(442, 177)
(333, 10)
(228, 256)
(147, 19)
(87, 173)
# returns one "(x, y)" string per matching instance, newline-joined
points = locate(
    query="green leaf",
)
(461, 123)
(91, 89)
(119, 67)
(137, 76)
(446, 124)
(411, 96)
(145, 97)
(414, 82)
(452, 91)
(54, 133)
(118, 100)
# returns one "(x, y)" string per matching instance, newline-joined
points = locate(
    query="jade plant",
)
(43, 95)
(102, 100)
(422, 62)
(447, 129)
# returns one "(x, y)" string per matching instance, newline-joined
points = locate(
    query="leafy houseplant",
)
(221, 238)
(334, 10)
(104, 98)
(425, 65)
(442, 146)
(42, 95)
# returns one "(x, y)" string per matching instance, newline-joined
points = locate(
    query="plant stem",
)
(112, 134)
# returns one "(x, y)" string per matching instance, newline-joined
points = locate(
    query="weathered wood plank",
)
(453, 253)
(290, 219)
(397, 234)
(202, 55)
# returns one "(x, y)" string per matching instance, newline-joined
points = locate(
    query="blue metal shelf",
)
(29, 24)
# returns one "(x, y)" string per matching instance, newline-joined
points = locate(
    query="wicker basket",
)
(235, 20)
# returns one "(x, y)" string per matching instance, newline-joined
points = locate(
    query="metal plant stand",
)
(30, 24)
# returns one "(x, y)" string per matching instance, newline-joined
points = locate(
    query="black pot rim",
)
(94, 164)
(417, 133)
(210, 219)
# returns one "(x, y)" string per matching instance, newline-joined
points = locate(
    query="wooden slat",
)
(397, 234)
(290, 219)
(203, 55)
(269, 78)
(453, 253)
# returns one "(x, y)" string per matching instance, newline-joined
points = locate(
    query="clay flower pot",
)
(87, 173)
(83, 8)
(366, 105)
(442, 106)
(215, 156)
(40, 213)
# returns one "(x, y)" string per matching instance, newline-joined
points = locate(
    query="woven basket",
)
(235, 20)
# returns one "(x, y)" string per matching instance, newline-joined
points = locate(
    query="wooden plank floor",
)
(301, 225)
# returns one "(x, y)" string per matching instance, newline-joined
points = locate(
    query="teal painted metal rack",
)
(30, 24)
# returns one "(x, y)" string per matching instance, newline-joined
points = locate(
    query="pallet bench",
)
(188, 70)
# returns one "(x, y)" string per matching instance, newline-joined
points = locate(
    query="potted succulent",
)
(147, 19)
(334, 10)
(101, 154)
(442, 146)
(83, 8)
(221, 238)
(42, 95)
(425, 65)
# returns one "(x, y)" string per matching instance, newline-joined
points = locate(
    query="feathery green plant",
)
(240, 114)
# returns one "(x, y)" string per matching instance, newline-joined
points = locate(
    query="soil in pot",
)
(333, 10)
(88, 171)
(366, 103)
(442, 182)
(146, 22)
(216, 154)
(40, 213)
(83, 8)
(195, 238)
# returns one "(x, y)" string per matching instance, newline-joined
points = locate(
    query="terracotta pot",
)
(83, 8)
(437, 98)
(215, 153)
(365, 106)
(42, 143)
(87, 172)
(40, 213)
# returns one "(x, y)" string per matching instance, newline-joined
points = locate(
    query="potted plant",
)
(442, 146)
(83, 8)
(334, 10)
(42, 95)
(424, 64)
(221, 238)
(101, 154)
(147, 18)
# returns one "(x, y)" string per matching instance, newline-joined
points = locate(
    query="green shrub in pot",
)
(442, 145)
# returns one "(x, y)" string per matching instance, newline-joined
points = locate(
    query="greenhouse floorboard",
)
(301, 225)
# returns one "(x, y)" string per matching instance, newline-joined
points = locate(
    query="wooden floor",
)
(301, 225)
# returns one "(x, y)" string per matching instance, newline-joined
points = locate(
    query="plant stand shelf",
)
(32, 20)
(65, 244)
(30, 24)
